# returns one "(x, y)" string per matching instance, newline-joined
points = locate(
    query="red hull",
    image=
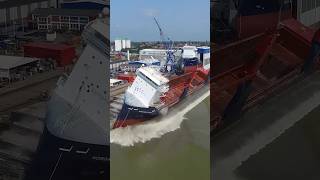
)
(180, 86)
(247, 26)
(251, 69)
(193, 79)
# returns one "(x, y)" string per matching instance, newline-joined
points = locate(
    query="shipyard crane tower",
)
(168, 44)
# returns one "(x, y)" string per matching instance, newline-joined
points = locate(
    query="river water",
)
(294, 155)
(180, 154)
(277, 139)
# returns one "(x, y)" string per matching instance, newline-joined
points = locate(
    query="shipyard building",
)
(62, 19)
(14, 13)
(83, 4)
(16, 68)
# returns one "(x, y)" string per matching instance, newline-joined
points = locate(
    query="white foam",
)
(130, 135)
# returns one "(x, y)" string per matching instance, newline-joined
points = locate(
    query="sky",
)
(181, 20)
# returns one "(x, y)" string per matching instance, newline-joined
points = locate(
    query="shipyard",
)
(264, 89)
(54, 87)
(159, 90)
(124, 64)
(40, 42)
(220, 89)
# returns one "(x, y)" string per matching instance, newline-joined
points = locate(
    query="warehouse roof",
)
(9, 62)
(44, 12)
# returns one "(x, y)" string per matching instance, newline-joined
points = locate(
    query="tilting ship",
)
(75, 140)
(155, 90)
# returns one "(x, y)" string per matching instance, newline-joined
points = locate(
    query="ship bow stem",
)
(130, 115)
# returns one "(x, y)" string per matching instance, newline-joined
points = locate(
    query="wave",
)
(141, 133)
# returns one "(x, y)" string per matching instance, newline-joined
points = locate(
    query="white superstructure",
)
(146, 88)
(79, 104)
(189, 52)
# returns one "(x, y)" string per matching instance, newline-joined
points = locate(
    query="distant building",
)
(123, 44)
(14, 13)
(117, 45)
(153, 53)
(128, 44)
(62, 19)
(120, 44)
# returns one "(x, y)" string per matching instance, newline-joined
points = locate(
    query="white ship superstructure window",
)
(147, 79)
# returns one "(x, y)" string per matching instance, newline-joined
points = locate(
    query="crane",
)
(168, 44)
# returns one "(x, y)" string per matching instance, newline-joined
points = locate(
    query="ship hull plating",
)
(61, 159)
(130, 115)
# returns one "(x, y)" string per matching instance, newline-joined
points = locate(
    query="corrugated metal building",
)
(15, 67)
(14, 13)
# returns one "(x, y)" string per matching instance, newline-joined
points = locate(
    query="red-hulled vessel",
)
(154, 91)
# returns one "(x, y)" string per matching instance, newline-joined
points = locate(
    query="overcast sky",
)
(181, 20)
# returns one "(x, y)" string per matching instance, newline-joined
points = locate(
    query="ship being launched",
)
(154, 92)
(75, 141)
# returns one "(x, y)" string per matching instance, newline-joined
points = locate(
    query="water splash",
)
(130, 135)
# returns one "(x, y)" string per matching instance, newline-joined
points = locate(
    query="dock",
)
(22, 113)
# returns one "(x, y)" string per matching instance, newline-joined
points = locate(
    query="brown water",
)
(277, 139)
(294, 155)
(181, 154)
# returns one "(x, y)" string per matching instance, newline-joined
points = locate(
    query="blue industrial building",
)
(84, 4)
